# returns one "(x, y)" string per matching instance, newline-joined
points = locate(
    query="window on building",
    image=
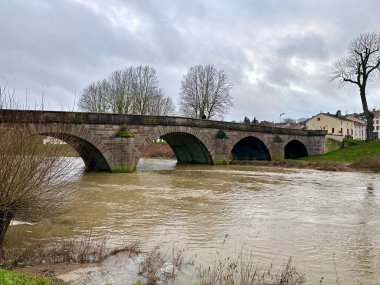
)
(377, 128)
(318, 119)
(332, 130)
(341, 131)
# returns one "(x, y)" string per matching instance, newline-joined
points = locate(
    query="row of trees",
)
(134, 90)
(205, 93)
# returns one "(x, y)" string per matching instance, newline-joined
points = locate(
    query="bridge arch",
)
(250, 148)
(188, 148)
(295, 149)
(77, 138)
(188, 144)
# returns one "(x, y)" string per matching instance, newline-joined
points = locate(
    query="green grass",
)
(62, 149)
(8, 277)
(349, 154)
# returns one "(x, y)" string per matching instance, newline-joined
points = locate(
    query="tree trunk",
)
(5, 220)
(368, 115)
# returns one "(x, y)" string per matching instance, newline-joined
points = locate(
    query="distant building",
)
(359, 127)
(376, 124)
(338, 125)
(376, 121)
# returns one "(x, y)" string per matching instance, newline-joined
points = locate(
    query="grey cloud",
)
(65, 45)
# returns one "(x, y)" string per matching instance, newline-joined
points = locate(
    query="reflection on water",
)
(310, 215)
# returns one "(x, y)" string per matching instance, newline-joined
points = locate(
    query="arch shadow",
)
(295, 149)
(188, 148)
(91, 155)
(250, 148)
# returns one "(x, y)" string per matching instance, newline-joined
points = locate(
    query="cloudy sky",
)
(277, 53)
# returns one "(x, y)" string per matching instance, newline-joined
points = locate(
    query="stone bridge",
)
(98, 140)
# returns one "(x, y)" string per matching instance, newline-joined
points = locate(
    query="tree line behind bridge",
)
(205, 93)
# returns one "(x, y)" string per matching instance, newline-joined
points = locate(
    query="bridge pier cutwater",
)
(97, 140)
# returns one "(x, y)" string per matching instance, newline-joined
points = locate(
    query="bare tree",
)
(134, 90)
(119, 96)
(359, 68)
(145, 88)
(33, 181)
(162, 105)
(205, 91)
(289, 121)
(94, 97)
(7, 98)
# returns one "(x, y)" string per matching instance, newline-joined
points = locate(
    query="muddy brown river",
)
(316, 217)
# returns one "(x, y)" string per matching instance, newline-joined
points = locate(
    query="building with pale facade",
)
(376, 124)
(338, 125)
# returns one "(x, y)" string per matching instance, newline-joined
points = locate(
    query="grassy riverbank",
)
(8, 277)
(62, 149)
(352, 152)
(355, 155)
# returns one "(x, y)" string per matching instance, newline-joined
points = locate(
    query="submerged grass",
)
(84, 249)
(159, 267)
(244, 270)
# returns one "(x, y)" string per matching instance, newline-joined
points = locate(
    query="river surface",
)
(328, 222)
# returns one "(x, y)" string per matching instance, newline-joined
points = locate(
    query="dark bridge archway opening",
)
(250, 148)
(295, 149)
(188, 148)
(92, 157)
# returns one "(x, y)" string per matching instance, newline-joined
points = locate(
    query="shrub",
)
(124, 132)
(221, 135)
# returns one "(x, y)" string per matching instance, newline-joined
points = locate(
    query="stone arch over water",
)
(78, 138)
(250, 148)
(92, 157)
(295, 149)
(188, 148)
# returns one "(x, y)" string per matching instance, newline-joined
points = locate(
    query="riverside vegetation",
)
(357, 154)
(160, 267)
(354, 155)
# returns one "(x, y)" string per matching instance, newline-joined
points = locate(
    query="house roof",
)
(330, 115)
(355, 119)
(343, 118)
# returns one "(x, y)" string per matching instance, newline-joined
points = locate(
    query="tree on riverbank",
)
(34, 184)
(359, 68)
(205, 92)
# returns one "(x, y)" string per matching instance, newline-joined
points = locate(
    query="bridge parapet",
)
(18, 116)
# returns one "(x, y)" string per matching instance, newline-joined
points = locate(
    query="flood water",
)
(315, 217)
